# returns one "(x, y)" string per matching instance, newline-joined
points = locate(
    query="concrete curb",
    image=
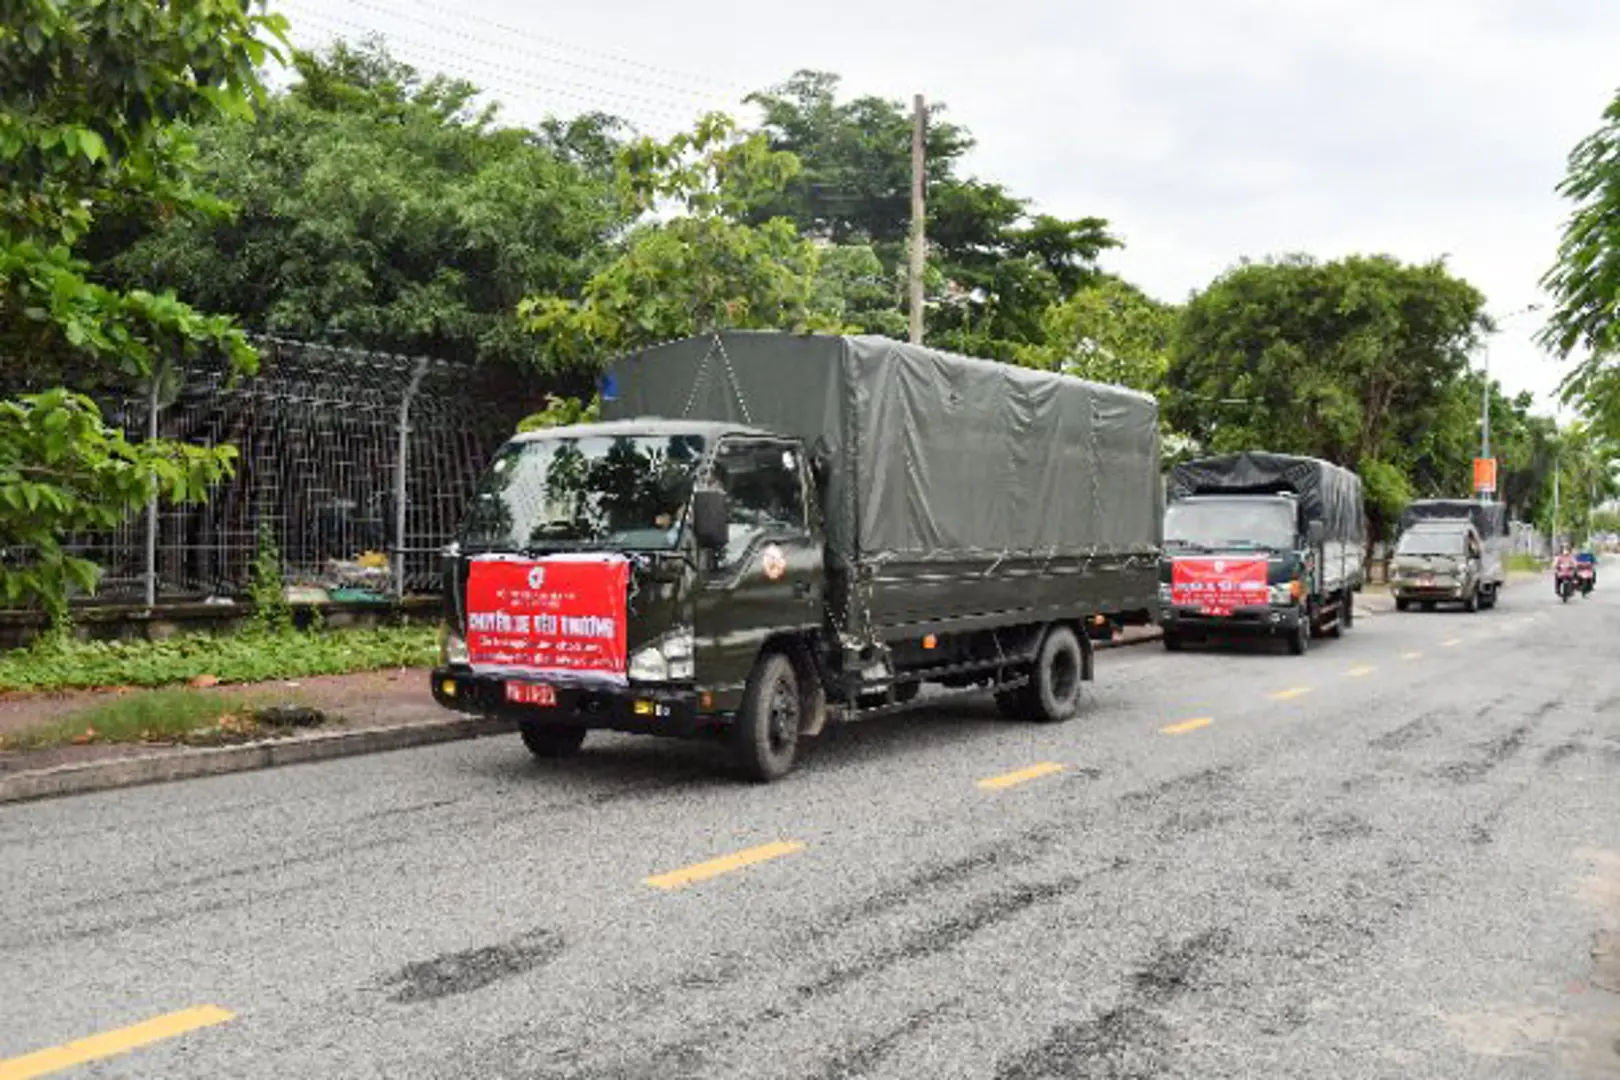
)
(215, 761)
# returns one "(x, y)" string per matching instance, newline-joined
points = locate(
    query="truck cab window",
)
(764, 487)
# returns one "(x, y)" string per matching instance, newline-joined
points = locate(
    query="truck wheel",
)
(765, 735)
(1054, 690)
(1471, 602)
(1347, 610)
(1403, 605)
(1173, 641)
(551, 740)
(1299, 642)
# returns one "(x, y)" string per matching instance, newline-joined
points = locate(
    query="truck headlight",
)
(669, 659)
(1286, 593)
(452, 647)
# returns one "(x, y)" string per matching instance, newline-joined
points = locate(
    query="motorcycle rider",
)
(1563, 565)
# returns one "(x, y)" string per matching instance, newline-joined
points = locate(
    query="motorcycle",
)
(1565, 583)
(1585, 578)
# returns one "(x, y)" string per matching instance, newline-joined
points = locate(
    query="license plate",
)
(531, 693)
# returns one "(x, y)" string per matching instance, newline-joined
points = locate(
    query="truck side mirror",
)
(1315, 533)
(710, 518)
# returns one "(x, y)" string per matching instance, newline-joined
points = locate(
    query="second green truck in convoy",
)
(770, 531)
(1260, 544)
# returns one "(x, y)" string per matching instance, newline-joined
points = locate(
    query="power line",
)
(504, 77)
(456, 32)
(572, 47)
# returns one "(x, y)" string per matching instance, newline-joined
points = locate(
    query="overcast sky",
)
(1204, 130)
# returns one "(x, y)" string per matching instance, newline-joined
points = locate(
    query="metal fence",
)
(358, 462)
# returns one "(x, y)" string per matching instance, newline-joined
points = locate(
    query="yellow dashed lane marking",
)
(1451, 643)
(111, 1043)
(1188, 725)
(1361, 672)
(1291, 693)
(1007, 780)
(725, 864)
(1411, 656)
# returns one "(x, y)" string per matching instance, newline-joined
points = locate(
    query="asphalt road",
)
(1398, 856)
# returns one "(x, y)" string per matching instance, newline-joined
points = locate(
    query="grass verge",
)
(174, 716)
(239, 658)
(1523, 564)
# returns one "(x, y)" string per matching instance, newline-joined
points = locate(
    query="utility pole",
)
(1485, 416)
(919, 123)
(1485, 397)
(1557, 467)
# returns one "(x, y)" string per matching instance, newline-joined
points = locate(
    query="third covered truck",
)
(1259, 543)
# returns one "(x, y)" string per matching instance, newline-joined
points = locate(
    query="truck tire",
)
(1299, 642)
(1403, 605)
(1054, 686)
(765, 735)
(1347, 610)
(551, 740)
(1173, 641)
(1471, 602)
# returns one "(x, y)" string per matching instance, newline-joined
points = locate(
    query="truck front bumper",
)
(1255, 621)
(640, 710)
(1438, 593)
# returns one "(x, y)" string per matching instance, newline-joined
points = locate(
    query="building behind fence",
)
(359, 463)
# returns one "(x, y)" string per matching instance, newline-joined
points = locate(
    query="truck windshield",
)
(619, 492)
(1230, 524)
(1432, 542)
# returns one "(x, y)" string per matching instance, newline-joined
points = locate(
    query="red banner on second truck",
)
(1217, 586)
(560, 616)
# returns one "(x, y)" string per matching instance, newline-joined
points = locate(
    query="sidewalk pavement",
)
(367, 713)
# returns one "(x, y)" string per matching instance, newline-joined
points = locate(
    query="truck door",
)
(769, 577)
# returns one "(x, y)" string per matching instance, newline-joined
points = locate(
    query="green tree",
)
(1442, 455)
(997, 265)
(703, 268)
(1585, 279)
(856, 288)
(1350, 360)
(855, 181)
(1585, 458)
(374, 207)
(97, 98)
(1108, 332)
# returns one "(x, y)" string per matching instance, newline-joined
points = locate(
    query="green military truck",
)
(768, 532)
(1265, 544)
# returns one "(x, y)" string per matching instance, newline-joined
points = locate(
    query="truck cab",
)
(1235, 564)
(1439, 561)
(626, 575)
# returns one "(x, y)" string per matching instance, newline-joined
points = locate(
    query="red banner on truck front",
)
(1216, 586)
(561, 616)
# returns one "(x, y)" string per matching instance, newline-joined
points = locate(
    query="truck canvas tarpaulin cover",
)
(951, 485)
(1326, 492)
(1489, 518)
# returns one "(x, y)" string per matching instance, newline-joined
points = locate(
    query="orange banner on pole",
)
(1485, 474)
